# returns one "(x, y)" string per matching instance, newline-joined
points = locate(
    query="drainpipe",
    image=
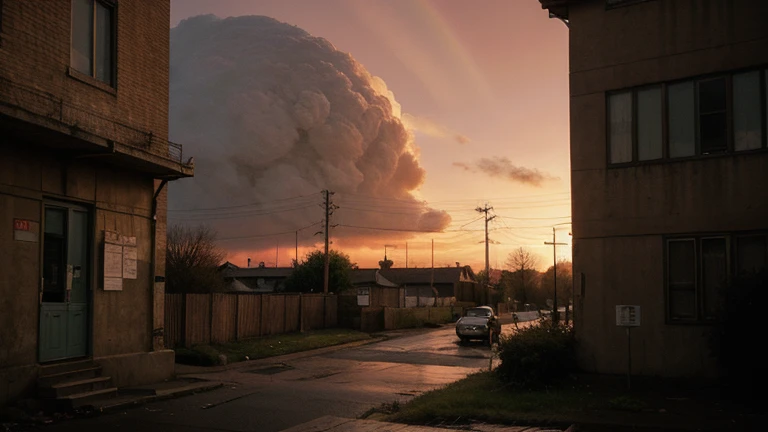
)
(158, 330)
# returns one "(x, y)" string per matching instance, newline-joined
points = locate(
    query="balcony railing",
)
(44, 104)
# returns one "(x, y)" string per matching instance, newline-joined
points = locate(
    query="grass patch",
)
(269, 346)
(483, 397)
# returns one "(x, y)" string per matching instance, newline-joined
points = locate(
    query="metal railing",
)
(45, 104)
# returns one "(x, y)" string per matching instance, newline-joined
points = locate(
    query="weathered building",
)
(84, 158)
(668, 167)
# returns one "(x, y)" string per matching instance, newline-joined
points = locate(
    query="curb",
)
(164, 395)
(202, 370)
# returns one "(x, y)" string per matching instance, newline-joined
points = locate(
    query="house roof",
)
(423, 276)
(369, 276)
(257, 272)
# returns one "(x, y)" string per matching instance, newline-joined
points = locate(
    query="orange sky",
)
(495, 72)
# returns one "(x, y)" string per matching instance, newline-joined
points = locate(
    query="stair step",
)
(73, 387)
(50, 380)
(66, 366)
(85, 398)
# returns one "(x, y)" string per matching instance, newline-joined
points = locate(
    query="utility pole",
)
(485, 210)
(297, 248)
(554, 244)
(406, 254)
(329, 208)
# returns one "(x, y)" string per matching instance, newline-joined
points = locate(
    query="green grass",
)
(482, 397)
(269, 346)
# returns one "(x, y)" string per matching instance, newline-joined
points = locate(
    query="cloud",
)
(431, 128)
(502, 167)
(271, 113)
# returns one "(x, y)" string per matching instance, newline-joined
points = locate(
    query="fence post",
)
(210, 318)
(184, 320)
(261, 314)
(285, 313)
(301, 313)
(237, 317)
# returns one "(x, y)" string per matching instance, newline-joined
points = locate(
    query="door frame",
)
(89, 275)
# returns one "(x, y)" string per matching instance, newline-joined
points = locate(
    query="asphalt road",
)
(276, 396)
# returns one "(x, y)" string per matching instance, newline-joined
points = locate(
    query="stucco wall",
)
(119, 200)
(621, 215)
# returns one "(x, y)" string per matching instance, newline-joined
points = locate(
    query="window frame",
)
(665, 127)
(732, 270)
(92, 77)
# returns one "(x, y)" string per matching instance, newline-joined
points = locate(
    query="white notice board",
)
(628, 315)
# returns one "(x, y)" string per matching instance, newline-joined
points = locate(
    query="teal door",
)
(64, 297)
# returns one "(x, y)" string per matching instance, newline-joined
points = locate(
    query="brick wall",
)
(35, 52)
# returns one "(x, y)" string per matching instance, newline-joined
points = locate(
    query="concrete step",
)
(50, 380)
(73, 387)
(86, 398)
(65, 366)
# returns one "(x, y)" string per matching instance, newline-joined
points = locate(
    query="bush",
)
(537, 356)
(735, 335)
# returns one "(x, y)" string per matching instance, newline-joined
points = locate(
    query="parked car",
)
(479, 323)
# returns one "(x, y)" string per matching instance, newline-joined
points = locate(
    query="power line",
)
(268, 235)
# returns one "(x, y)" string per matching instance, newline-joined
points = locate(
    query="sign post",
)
(628, 316)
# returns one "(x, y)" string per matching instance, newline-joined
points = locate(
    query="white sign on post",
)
(363, 297)
(628, 315)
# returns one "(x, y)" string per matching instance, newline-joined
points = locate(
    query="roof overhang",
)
(558, 8)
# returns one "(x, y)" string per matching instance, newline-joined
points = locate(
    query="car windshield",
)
(478, 313)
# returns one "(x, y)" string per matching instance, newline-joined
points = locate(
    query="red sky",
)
(495, 72)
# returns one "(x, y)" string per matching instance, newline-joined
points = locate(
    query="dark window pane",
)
(55, 220)
(81, 52)
(713, 132)
(649, 123)
(748, 133)
(682, 264)
(681, 116)
(53, 268)
(103, 43)
(751, 254)
(620, 127)
(714, 273)
(682, 305)
(712, 96)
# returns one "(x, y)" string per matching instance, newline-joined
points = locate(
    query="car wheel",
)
(462, 340)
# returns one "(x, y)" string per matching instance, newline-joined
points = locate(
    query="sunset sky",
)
(483, 85)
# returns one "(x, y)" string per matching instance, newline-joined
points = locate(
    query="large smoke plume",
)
(270, 112)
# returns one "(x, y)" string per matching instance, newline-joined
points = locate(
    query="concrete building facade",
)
(84, 160)
(669, 162)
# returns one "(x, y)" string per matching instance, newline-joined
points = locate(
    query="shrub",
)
(537, 356)
(735, 334)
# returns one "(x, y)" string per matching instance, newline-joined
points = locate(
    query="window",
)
(746, 111)
(699, 268)
(713, 121)
(649, 134)
(712, 115)
(620, 115)
(681, 111)
(92, 51)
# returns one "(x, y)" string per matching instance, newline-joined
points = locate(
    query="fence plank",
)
(194, 319)
(173, 321)
(198, 320)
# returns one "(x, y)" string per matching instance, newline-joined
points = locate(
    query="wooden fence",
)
(193, 319)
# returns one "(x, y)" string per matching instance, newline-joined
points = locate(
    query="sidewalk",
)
(338, 424)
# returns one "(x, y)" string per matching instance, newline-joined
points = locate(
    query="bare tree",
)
(192, 260)
(522, 263)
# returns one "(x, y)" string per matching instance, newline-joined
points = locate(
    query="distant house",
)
(254, 279)
(373, 289)
(450, 284)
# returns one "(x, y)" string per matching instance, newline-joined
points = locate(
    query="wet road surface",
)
(276, 396)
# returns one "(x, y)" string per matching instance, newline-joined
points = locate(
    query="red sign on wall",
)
(21, 225)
